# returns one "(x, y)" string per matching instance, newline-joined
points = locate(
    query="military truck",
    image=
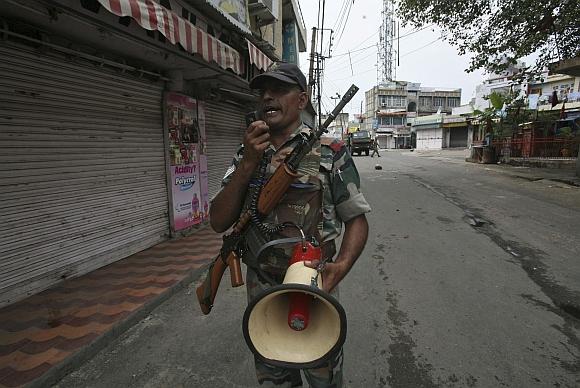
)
(361, 142)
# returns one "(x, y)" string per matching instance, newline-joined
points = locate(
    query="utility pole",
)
(317, 58)
(311, 70)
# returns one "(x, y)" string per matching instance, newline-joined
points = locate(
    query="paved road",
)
(470, 278)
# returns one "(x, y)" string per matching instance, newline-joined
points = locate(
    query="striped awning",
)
(257, 57)
(153, 16)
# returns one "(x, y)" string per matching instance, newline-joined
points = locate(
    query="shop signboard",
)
(290, 42)
(185, 147)
(236, 11)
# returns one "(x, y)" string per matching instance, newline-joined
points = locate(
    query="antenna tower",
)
(387, 51)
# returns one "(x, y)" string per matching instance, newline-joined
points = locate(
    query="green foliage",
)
(565, 131)
(498, 32)
(497, 100)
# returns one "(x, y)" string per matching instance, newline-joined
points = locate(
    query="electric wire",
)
(337, 24)
(347, 66)
(374, 45)
(345, 23)
(420, 48)
(340, 14)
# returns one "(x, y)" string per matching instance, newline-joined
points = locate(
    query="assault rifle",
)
(270, 196)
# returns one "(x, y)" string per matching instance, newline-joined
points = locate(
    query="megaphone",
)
(296, 324)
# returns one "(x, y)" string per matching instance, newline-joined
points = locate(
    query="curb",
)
(73, 362)
(531, 177)
(566, 181)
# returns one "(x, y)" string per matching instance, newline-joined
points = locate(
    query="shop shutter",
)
(458, 137)
(225, 126)
(82, 169)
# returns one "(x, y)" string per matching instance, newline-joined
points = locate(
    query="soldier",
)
(375, 148)
(324, 196)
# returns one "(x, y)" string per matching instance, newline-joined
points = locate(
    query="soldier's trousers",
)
(327, 376)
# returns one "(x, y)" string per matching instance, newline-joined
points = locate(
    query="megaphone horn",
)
(296, 324)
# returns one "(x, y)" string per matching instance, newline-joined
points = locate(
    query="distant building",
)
(391, 106)
(566, 87)
(442, 131)
(498, 83)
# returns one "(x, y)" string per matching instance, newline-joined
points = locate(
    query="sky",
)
(424, 57)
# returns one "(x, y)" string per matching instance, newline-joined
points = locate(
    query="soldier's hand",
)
(256, 141)
(332, 273)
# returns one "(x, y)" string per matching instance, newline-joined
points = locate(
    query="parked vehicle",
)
(361, 142)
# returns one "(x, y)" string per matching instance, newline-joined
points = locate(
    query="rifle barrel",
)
(345, 100)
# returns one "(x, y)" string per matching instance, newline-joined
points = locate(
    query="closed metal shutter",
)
(458, 137)
(225, 127)
(82, 169)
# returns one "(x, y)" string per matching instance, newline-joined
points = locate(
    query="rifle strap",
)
(288, 240)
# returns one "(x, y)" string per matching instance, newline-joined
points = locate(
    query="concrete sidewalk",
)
(561, 175)
(46, 336)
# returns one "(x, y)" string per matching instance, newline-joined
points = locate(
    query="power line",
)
(359, 73)
(348, 65)
(370, 36)
(374, 45)
(345, 22)
(420, 48)
(340, 14)
(355, 51)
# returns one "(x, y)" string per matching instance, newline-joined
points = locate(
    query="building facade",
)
(564, 87)
(391, 106)
(439, 131)
(118, 119)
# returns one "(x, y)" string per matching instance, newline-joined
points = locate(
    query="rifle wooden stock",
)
(275, 189)
(214, 278)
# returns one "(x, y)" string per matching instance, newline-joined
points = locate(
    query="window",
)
(438, 101)
(399, 101)
(393, 101)
(424, 101)
(360, 134)
(392, 120)
(452, 101)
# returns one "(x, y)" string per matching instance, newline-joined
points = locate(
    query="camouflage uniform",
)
(325, 195)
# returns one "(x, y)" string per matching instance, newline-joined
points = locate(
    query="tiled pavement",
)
(44, 335)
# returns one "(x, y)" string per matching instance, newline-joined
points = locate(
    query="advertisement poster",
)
(203, 162)
(184, 148)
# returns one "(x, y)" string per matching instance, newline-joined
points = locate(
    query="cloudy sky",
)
(424, 57)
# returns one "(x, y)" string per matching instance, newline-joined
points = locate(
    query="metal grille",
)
(225, 126)
(82, 169)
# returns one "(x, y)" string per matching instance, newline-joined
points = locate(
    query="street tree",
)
(498, 32)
